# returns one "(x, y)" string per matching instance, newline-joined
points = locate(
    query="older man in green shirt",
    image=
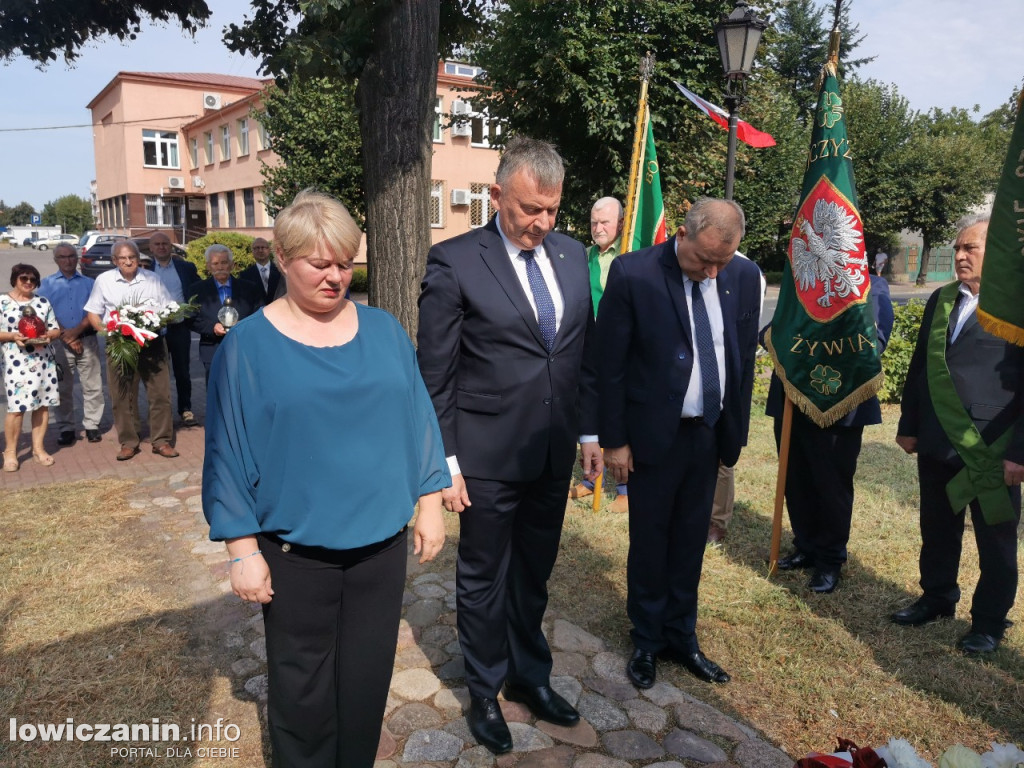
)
(606, 232)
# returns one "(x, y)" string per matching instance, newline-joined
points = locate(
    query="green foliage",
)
(72, 212)
(896, 358)
(359, 282)
(240, 245)
(774, 277)
(314, 129)
(17, 215)
(762, 377)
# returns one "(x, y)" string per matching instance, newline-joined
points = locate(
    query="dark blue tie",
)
(708, 362)
(542, 297)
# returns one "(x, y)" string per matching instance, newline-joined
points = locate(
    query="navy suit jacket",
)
(245, 297)
(647, 352)
(507, 407)
(252, 274)
(187, 273)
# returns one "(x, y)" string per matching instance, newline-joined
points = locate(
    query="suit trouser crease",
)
(507, 548)
(124, 396)
(179, 347)
(669, 514)
(942, 533)
(90, 376)
(332, 633)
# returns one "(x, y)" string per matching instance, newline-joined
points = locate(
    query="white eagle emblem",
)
(830, 253)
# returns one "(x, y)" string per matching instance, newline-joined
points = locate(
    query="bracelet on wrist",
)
(244, 557)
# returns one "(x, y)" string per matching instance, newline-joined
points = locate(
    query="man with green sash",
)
(962, 413)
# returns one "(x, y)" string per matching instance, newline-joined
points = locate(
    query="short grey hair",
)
(725, 216)
(972, 220)
(537, 158)
(218, 248)
(68, 246)
(120, 245)
(606, 201)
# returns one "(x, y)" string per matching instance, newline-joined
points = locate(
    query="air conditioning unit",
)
(211, 101)
(461, 108)
(197, 182)
(176, 182)
(462, 129)
(460, 197)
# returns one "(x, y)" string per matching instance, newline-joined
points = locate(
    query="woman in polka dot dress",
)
(30, 374)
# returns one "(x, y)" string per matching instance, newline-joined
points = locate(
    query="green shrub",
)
(762, 376)
(240, 245)
(896, 358)
(773, 278)
(360, 283)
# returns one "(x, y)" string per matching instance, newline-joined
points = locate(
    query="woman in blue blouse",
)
(320, 439)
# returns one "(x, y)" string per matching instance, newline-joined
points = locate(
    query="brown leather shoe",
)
(619, 505)
(580, 491)
(166, 451)
(127, 452)
(716, 534)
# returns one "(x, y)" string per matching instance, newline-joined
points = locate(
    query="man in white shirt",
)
(111, 290)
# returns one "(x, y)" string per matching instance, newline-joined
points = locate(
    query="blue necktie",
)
(708, 362)
(542, 297)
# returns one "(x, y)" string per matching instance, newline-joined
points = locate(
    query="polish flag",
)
(745, 132)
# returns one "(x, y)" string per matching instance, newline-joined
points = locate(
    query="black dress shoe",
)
(93, 435)
(701, 666)
(66, 438)
(487, 725)
(641, 669)
(977, 642)
(796, 560)
(544, 702)
(823, 581)
(921, 612)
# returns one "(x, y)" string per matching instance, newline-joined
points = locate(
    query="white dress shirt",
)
(968, 306)
(693, 402)
(546, 270)
(111, 291)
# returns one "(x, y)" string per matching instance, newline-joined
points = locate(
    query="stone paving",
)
(620, 726)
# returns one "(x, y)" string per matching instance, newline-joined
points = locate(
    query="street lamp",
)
(738, 36)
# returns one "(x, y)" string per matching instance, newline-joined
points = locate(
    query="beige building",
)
(181, 152)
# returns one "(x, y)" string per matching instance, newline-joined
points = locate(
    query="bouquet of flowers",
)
(133, 325)
(899, 753)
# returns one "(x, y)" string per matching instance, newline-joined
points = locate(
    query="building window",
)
(479, 204)
(215, 210)
(208, 139)
(465, 70)
(193, 151)
(484, 130)
(225, 143)
(162, 213)
(229, 198)
(249, 206)
(263, 137)
(438, 112)
(160, 149)
(243, 137)
(437, 203)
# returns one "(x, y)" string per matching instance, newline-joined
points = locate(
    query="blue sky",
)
(936, 51)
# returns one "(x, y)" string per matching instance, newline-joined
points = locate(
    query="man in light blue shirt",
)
(78, 348)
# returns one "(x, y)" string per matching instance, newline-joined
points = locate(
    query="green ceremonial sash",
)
(982, 475)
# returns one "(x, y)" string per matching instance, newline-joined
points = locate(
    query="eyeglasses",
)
(67, 256)
(128, 259)
(28, 279)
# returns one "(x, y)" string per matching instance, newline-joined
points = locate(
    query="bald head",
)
(260, 251)
(160, 245)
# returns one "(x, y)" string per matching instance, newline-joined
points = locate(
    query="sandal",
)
(44, 458)
(10, 461)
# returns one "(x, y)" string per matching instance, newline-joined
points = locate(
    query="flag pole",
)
(780, 485)
(629, 214)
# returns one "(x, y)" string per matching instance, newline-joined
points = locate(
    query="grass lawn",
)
(808, 667)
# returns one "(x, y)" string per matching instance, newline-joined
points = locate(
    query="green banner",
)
(649, 216)
(1000, 309)
(822, 339)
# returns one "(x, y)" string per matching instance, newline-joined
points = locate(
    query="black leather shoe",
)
(641, 669)
(796, 560)
(93, 435)
(701, 666)
(544, 702)
(823, 581)
(487, 725)
(977, 642)
(921, 612)
(66, 438)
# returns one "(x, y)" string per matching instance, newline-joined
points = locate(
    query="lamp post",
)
(738, 35)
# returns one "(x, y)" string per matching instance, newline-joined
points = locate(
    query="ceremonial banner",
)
(648, 223)
(745, 132)
(822, 339)
(1000, 308)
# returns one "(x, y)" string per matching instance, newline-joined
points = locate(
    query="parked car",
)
(98, 259)
(46, 243)
(28, 241)
(89, 239)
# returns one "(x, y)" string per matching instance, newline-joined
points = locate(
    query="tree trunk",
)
(395, 97)
(926, 252)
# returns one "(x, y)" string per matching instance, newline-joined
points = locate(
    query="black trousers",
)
(942, 531)
(179, 345)
(332, 630)
(669, 514)
(819, 487)
(507, 548)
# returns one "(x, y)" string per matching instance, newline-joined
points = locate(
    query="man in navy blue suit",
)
(506, 347)
(678, 330)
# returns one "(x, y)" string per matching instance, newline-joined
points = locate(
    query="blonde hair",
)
(315, 219)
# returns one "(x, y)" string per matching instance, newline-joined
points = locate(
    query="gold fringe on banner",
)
(1002, 328)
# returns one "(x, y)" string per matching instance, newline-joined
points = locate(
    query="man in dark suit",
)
(962, 408)
(678, 330)
(506, 345)
(178, 276)
(822, 463)
(212, 293)
(264, 273)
